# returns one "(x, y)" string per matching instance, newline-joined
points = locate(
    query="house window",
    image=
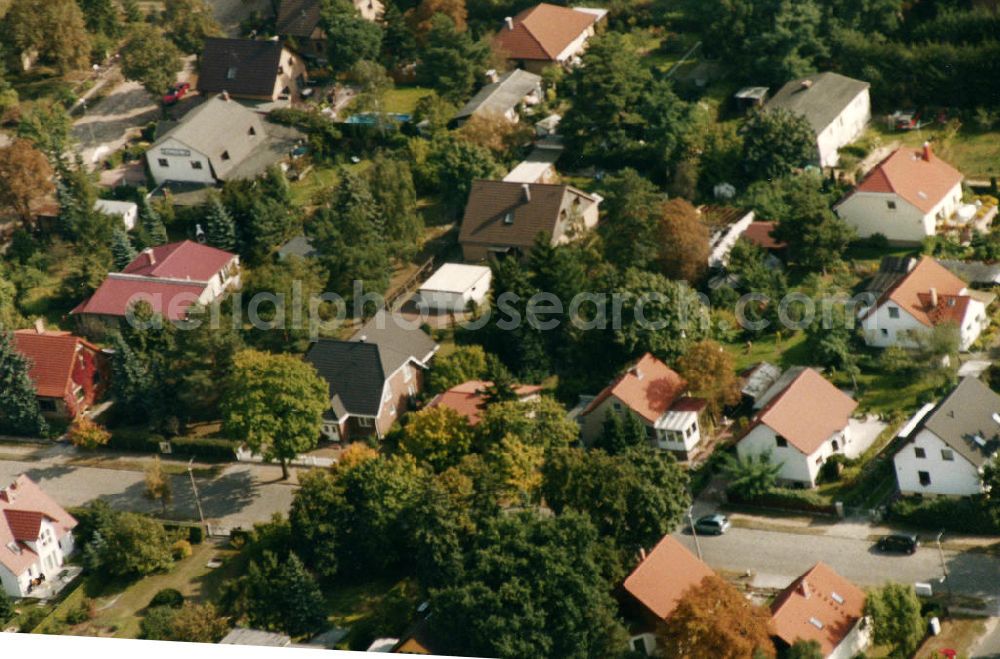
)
(885, 332)
(925, 478)
(835, 445)
(231, 73)
(508, 218)
(163, 162)
(47, 405)
(919, 452)
(617, 406)
(891, 205)
(407, 373)
(947, 455)
(781, 441)
(225, 155)
(893, 312)
(252, 131)
(195, 164)
(365, 422)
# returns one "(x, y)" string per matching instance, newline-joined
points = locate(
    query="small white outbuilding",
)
(129, 211)
(454, 285)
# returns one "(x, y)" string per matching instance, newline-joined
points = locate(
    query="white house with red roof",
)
(36, 537)
(803, 419)
(545, 35)
(655, 394)
(171, 278)
(905, 197)
(824, 607)
(69, 373)
(468, 398)
(917, 296)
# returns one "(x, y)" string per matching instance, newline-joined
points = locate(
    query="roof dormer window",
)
(508, 218)
(231, 73)
(225, 155)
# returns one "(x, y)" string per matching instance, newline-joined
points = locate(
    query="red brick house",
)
(70, 373)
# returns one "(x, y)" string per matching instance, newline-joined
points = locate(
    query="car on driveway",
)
(712, 524)
(176, 93)
(898, 543)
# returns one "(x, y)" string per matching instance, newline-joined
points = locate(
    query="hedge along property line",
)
(965, 515)
(208, 448)
(788, 499)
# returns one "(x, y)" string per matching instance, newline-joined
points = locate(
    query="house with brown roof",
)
(36, 538)
(504, 218)
(468, 398)
(824, 607)
(914, 296)
(255, 69)
(802, 420)
(656, 395)
(299, 20)
(545, 35)
(171, 278)
(69, 373)
(905, 197)
(657, 584)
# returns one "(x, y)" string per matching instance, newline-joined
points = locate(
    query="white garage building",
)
(454, 285)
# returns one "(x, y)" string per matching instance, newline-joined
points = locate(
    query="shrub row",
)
(790, 499)
(141, 441)
(966, 515)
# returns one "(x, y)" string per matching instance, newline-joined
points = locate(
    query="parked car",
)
(176, 93)
(712, 524)
(901, 543)
(906, 120)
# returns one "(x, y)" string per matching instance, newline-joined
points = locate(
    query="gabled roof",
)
(23, 508)
(241, 67)
(298, 18)
(467, 398)
(806, 411)
(52, 355)
(917, 176)
(819, 606)
(820, 98)
(911, 292)
(398, 341)
(759, 233)
(503, 95)
(505, 213)
(542, 32)
(662, 577)
(649, 388)
(181, 260)
(167, 297)
(964, 415)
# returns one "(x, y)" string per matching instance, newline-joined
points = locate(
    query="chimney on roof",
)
(510, 23)
(642, 553)
(934, 298)
(39, 326)
(804, 589)
(806, 84)
(149, 255)
(526, 188)
(927, 151)
(224, 95)
(364, 338)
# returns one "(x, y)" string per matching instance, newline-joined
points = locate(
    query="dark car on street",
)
(898, 543)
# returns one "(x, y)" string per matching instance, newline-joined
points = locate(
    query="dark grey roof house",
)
(503, 97)
(257, 69)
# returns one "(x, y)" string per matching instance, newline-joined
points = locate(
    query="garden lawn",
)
(959, 634)
(975, 153)
(404, 99)
(371, 609)
(789, 351)
(885, 393)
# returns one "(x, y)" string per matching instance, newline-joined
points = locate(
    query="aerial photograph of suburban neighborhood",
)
(497, 328)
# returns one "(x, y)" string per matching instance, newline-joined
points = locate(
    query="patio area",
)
(54, 585)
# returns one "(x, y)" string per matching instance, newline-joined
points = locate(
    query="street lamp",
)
(694, 531)
(197, 499)
(944, 570)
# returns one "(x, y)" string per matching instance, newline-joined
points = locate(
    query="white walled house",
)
(253, 69)
(803, 420)
(36, 537)
(545, 35)
(655, 394)
(454, 286)
(924, 295)
(127, 210)
(837, 108)
(947, 446)
(904, 198)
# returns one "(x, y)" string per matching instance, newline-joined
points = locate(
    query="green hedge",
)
(142, 441)
(790, 499)
(966, 515)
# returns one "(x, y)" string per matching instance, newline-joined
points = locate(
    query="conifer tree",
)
(19, 410)
(121, 249)
(152, 223)
(220, 229)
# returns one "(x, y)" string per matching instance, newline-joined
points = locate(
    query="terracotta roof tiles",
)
(542, 32)
(917, 175)
(662, 577)
(649, 388)
(52, 356)
(819, 606)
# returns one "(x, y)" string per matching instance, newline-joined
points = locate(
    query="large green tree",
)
(19, 410)
(895, 614)
(450, 60)
(775, 142)
(629, 230)
(275, 403)
(281, 595)
(438, 436)
(150, 59)
(52, 29)
(816, 238)
(391, 183)
(349, 37)
(128, 545)
(188, 23)
(220, 229)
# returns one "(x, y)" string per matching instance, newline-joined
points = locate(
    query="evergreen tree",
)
(6, 607)
(282, 596)
(620, 432)
(19, 410)
(502, 386)
(451, 60)
(122, 249)
(391, 183)
(132, 382)
(152, 223)
(219, 226)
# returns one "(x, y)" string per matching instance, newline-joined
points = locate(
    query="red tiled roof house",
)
(545, 34)
(36, 537)
(171, 278)
(655, 394)
(803, 420)
(928, 294)
(905, 197)
(69, 373)
(822, 606)
(468, 400)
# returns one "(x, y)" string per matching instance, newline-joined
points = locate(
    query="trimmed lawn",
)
(975, 153)
(404, 99)
(884, 393)
(959, 634)
(789, 351)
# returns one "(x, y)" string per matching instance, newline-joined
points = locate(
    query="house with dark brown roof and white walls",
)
(904, 198)
(36, 538)
(948, 444)
(656, 395)
(656, 586)
(802, 420)
(546, 35)
(913, 296)
(254, 69)
(69, 373)
(503, 218)
(299, 21)
(824, 607)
